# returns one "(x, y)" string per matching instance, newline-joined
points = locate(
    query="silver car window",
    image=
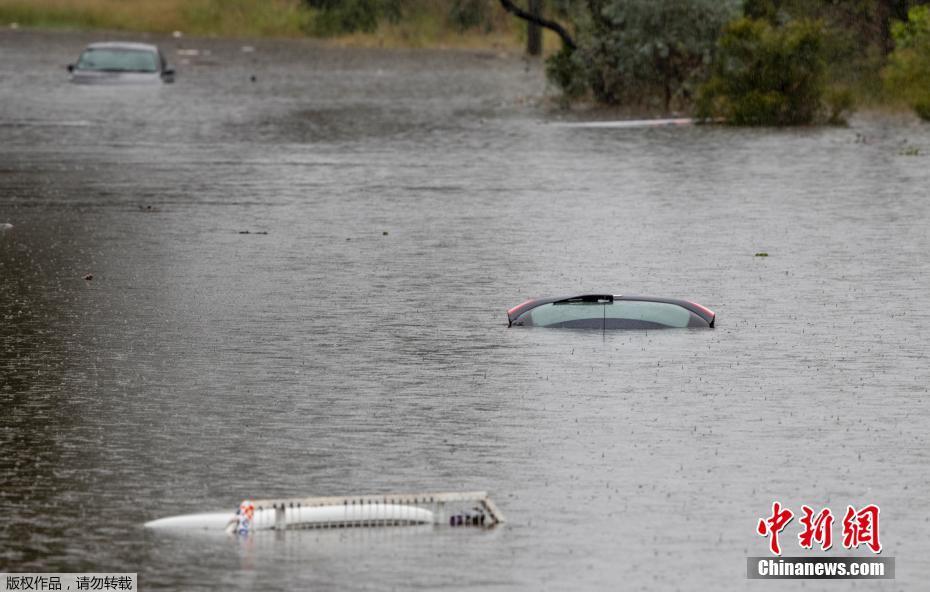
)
(118, 60)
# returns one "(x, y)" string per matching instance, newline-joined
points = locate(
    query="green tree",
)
(908, 72)
(767, 75)
(633, 51)
(857, 34)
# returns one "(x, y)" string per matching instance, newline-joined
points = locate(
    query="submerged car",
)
(608, 311)
(121, 63)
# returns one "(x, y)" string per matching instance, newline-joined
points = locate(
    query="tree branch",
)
(515, 10)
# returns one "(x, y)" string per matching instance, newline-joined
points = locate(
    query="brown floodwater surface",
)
(202, 366)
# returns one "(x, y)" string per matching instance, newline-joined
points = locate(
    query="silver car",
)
(120, 63)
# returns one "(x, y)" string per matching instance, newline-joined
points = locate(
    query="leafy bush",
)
(335, 17)
(631, 51)
(907, 75)
(768, 75)
(470, 14)
(567, 71)
(839, 101)
(922, 107)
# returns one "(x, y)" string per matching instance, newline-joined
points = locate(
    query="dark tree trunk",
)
(533, 30)
(515, 10)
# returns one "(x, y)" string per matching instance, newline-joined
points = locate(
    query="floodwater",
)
(360, 346)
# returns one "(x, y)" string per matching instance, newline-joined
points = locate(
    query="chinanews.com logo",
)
(860, 532)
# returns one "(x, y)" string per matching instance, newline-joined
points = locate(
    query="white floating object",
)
(177, 34)
(456, 509)
(36, 123)
(205, 521)
(188, 52)
(627, 123)
(304, 517)
(5, 226)
(247, 49)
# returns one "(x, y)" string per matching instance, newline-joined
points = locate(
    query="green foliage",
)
(470, 14)
(922, 107)
(857, 35)
(251, 18)
(335, 17)
(839, 102)
(767, 10)
(907, 75)
(768, 75)
(567, 71)
(230, 17)
(631, 51)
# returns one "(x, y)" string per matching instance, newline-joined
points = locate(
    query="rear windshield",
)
(118, 60)
(620, 314)
(660, 313)
(579, 315)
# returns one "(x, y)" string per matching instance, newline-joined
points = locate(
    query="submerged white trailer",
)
(455, 509)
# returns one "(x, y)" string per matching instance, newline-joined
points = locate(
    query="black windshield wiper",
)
(121, 70)
(589, 298)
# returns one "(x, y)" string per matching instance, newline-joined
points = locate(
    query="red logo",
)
(816, 528)
(773, 525)
(859, 528)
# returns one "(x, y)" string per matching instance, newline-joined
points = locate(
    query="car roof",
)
(701, 311)
(123, 45)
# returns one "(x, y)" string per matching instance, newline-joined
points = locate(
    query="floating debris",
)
(627, 123)
(37, 123)
(88, 276)
(250, 232)
(247, 49)
(384, 233)
(6, 226)
(909, 151)
(148, 208)
(762, 254)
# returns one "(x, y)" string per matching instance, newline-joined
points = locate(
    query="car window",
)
(619, 314)
(577, 315)
(118, 60)
(645, 314)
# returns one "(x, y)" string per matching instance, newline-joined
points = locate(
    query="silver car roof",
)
(123, 45)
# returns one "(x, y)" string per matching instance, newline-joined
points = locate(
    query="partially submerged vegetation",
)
(770, 75)
(650, 53)
(907, 75)
(760, 62)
